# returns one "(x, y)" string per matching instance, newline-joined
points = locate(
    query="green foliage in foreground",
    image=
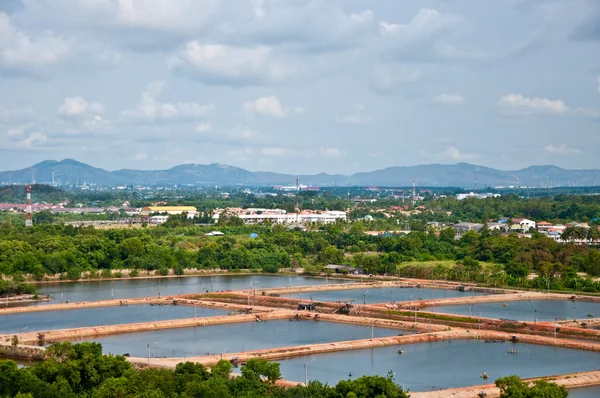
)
(80, 370)
(514, 387)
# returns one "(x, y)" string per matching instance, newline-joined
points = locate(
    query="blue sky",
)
(300, 86)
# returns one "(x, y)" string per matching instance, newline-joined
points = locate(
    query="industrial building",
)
(170, 210)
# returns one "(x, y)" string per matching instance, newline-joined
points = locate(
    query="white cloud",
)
(78, 110)
(354, 119)
(561, 150)
(529, 106)
(273, 151)
(224, 64)
(455, 154)
(449, 99)
(599, 84)
(17, 131)
(244, 133)
(22, 53)
(77, 107)
(388, 76)
(33, 140)
(150, 109)
(140, 156)
(424, 24)
(203, 127)
(359, 116)
(331, 152)
(270, 106)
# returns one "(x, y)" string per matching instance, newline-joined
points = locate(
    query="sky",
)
(300, 86)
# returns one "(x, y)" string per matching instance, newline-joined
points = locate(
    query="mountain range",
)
(69, 171)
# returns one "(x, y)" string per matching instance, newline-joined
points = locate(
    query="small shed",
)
(306, 307)
(343, 269)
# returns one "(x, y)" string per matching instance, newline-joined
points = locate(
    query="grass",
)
(428, 315)
(220, 295)
(444, 263)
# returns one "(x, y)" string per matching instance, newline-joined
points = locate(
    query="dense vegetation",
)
(81, 370)
(52, 249)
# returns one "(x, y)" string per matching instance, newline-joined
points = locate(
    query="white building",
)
(280, 216)
(463, 196)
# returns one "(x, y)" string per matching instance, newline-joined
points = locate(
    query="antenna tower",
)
(414, 193)
(28, 218)
(297, 189)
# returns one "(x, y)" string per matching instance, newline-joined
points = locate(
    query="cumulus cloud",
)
(224, 64)
(270, 106)
(78, 110)
(34, 139)
(449, 99)
(454, 153)
(561, 149)
(203, 127)
(244, 133)
(425, 23)
(25, 54)
(151, 109)
(330, 152)
(360, 116)
(77, 106)
(519, 104)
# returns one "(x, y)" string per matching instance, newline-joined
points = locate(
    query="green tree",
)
(514, 387)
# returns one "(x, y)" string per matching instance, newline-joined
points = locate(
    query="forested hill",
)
(70, 171)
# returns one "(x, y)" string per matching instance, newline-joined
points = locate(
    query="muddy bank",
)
(575, 380)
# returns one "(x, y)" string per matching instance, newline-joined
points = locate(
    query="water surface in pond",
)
(443, 364)
(52, 320)
(381, 295)
(587, 392)
(199, 341)
(526, 310)
(130, 288)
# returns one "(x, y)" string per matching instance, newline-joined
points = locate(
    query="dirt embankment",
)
(575, 380)
(166, 300)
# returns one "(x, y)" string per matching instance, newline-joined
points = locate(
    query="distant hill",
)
(70, 171)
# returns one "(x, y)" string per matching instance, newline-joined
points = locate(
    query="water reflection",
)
(527, 310)
(439, 365)
(129, 288)
(52, 320)
(381, 295)
(587, 392)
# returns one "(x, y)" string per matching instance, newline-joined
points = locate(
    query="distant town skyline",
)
(300, 86)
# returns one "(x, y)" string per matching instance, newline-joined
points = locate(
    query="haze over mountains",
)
(457, 175)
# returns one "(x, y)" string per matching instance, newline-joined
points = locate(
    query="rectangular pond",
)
(442, 364)
(52, 320)
(130, 288)
(586, 392)
(526, 310)
(237, 337)
(380, 295)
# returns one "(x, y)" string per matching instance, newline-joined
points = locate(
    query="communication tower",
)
(28, 218)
